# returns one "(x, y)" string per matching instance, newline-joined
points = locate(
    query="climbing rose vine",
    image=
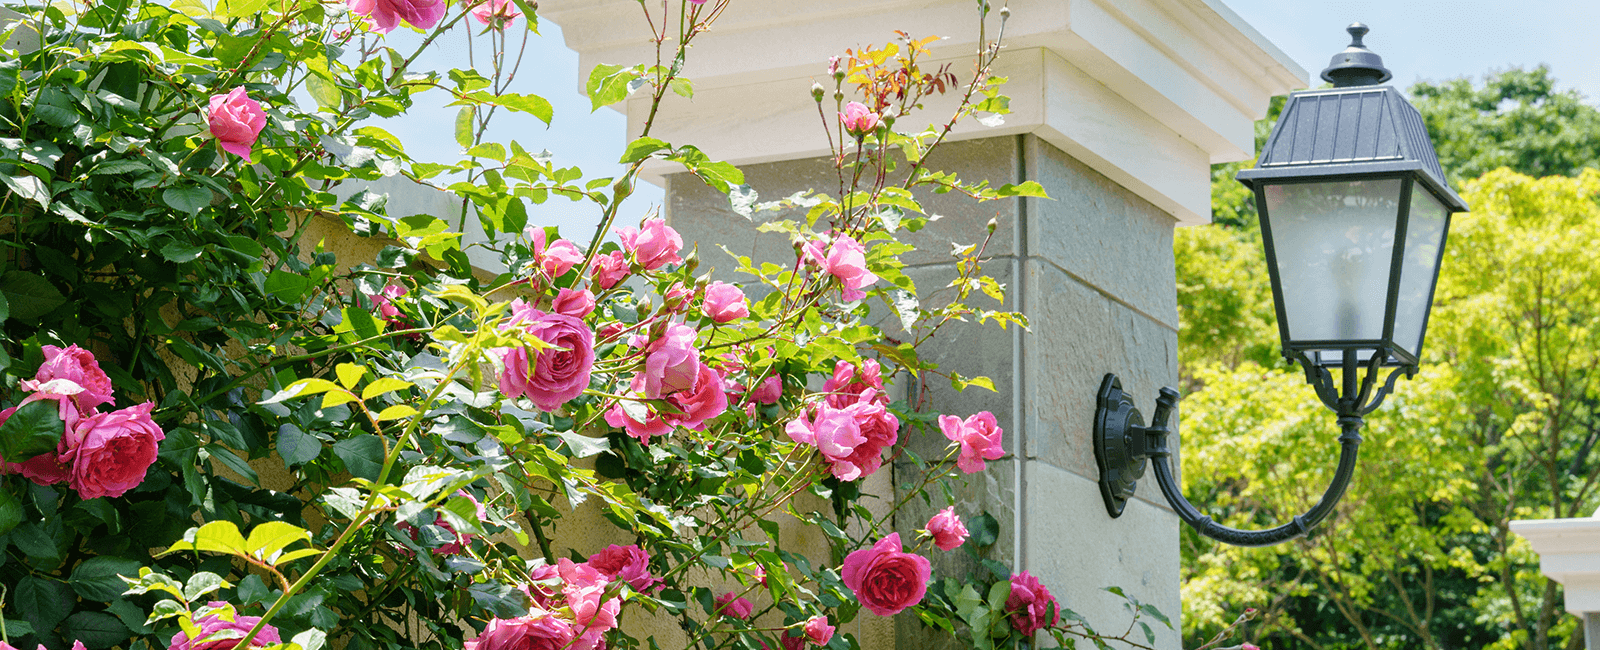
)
(250, 402)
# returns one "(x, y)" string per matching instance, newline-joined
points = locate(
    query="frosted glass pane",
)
(1334, 243)
(1424, 234)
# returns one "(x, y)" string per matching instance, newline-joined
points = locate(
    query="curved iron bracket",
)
(1122, 444)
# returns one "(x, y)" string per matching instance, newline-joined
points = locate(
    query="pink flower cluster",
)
(852, 427)
(978, 436)
(846, 260)
(947, 530)
(100, 454)
(652, 245)
(567, 611)
(673, 372)
(221, 629)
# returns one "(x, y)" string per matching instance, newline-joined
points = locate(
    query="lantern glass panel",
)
(1419, 269)
(1334, 245)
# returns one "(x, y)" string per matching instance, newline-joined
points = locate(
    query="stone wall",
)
(1092, 268)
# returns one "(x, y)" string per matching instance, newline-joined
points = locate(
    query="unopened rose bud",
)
(692, 260)
(1005, 12)
(817, 91)
(992, 225)
(838, 95)
(621, 189)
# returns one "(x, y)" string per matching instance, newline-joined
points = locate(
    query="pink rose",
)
(730, 604)
(387, 14)
(884, 579)
(653, 244)
(583, 585)
(947, 530)
(225, 621)
(627, 563)
(724, 303)
(858, 119)
(1249, 646)
(979, 437)
(793, 642)
(609, 269)
(576, 303)
(556, 258)
(78, 366)
(236, 121)
(846, 260)
(383, 301)
(539, 630)
(671, 362)
(880, 429)
(113, 451)
(1028, 604)
(818, 631)
(500, 13)
(554, 376)
(849, 382)
(835, 433)
(768, 391)
(705, 399)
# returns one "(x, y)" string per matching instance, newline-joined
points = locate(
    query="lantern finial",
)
(1356, 65)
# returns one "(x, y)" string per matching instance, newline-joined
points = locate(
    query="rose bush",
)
(218, 433)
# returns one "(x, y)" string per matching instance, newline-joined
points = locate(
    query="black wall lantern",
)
(1354, 210)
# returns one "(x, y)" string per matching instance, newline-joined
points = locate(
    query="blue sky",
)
(1418, 39)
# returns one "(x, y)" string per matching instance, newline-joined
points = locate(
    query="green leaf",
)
(642, 148)
(383, 385)
(286, 286)
(583, 446)
(297, 447)
(131, 615)
(682, 86)
(325, 92)
(97, 630)
(33, 429)
(531, 104)
(466, 123)
(312, 639)
(10, 512)
(361, 322)
(179, 252)
(609, 84)
(202, 583)
(97, 577)
(273, 536)
(362, 455)
(28, 187)
(187, 199)
(985, 530)
(214, 537)
(504, 601)
(720, 175)
(234, 462)
(239, 8)
(28, 295)
(44, 603)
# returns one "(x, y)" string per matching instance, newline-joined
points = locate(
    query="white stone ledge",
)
(1569, 553)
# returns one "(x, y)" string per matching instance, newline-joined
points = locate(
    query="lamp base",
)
(1116, 446)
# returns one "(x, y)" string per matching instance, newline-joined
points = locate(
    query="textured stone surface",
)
(1077, 551)
(1079, 335)
(1101, 232)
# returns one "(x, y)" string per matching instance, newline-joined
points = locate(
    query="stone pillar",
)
(1119, 109)
(1569, 553)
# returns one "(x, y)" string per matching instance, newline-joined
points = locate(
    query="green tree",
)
(1517, 119)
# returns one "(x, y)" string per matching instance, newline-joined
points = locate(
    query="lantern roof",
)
(1346, 131)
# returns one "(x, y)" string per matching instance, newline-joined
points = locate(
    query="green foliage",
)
(1517, 120)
